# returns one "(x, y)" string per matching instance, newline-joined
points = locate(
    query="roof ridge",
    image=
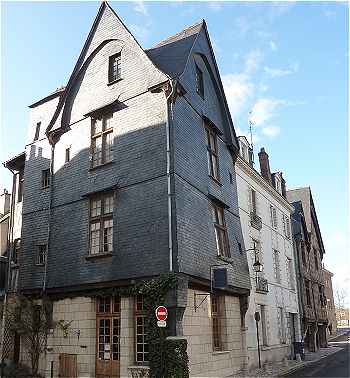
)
(178, 34)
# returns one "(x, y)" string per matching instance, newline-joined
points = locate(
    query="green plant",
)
(32, 322)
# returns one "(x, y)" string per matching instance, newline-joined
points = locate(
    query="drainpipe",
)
(169, 118)
(9, 248)
(52, 142)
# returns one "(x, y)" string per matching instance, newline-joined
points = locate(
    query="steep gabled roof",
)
(171, 54)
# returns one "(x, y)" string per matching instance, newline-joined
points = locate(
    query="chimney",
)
(265, 165)
(283, 184)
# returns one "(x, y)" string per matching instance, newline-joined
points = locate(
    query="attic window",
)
(114, 68)
(199, 82)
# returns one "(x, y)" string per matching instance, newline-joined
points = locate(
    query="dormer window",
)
(199, 82)
(115, 68)
(37, 131)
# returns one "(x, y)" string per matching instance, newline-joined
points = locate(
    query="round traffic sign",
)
(161, 313)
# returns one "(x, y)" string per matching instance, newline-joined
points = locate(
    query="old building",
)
(129, 173)
(265, 218)
(309, 251)
(328, 292)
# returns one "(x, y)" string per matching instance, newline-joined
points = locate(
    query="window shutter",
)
(275, 217)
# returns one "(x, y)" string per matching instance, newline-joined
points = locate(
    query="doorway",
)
(108, 337)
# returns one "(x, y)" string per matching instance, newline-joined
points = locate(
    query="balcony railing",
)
(255, 221)
(262, 285)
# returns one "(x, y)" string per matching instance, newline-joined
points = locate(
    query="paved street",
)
(334, 366)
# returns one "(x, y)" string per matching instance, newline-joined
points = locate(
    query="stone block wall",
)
(203, 361)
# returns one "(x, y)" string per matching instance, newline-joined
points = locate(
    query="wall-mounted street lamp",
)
(257, 266)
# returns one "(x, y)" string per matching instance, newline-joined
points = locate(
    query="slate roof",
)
(171, 54)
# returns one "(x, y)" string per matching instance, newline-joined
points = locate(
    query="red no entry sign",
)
(161, 313)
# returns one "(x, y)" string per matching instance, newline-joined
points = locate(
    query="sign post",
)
(162, 316)
(257, 319)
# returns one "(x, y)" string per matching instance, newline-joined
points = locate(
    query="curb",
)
(303, 364)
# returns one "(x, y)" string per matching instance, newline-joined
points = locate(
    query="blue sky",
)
(285, 62)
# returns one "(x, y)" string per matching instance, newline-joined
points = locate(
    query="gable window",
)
(101, 141)
(20, 185)
(217, 315)
(222, 243)
(67, 155)
(41, 254)
(16, 250)
(212, 154)
(114, 67)
(276, 266)
(37, 131)
(141, 344)
(45, 178)
(199, 82)
(101, 224)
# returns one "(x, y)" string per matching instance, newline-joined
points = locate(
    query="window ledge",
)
(101, 166)
(226, 259)
(114, 81)
(45, 187)
(215, 180)
(220, 352)
(39, 265)
(97, 255)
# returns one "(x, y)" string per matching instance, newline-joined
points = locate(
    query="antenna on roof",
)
(251, 124)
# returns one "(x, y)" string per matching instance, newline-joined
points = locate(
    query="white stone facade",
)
(274, 242)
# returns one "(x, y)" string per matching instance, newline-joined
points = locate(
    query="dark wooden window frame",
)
(45, 178)
(114, 73)
(221, 234)
(20, 185)
(100, 219)
(212, 153)
(140, 314)
(199, 82)
(103, 134)
(37, 131)
(67, 155)
(41, 254)
(218, 320)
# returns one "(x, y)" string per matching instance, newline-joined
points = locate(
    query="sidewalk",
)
(279, 369)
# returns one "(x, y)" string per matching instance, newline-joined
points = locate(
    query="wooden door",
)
(108, 342)
(68, 366)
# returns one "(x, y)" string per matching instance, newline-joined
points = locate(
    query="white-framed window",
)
(273, 216)
(101, 223)
(115, 67)
(222, 242)
(101, 140)
(141, 345)
(212, 153)
(286, 226)
(276, 266)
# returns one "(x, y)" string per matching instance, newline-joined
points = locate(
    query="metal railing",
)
(262, 285)
(255, 221)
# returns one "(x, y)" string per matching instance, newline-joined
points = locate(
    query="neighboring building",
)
(265, 218)
(4, 227)
(10, 348)
(328, 292)
(309, 251)
(343, 317)
(129, 173)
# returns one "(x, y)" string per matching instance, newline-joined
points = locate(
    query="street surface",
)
(333, 366)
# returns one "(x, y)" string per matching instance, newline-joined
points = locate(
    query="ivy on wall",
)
(167, 357)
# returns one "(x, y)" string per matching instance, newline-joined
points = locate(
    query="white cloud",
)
(215, 5)
(271, 131)
(238, 88)
(263, 88)
(273, 45)
(141, 32)
(278, 72)
(140, 7)
(252, 61)
(246, 133)
(264, 109)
